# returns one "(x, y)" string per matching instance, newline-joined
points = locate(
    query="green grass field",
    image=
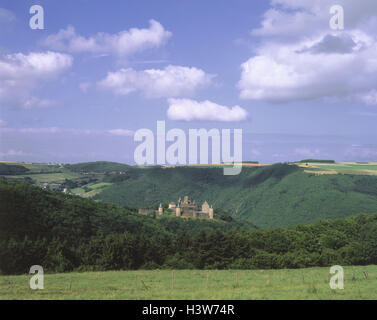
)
(310, 283)
(99, 185)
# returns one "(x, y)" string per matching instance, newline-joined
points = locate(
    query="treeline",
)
(318, 161)
(98, 166)
(352, 241)
(12, 169)
(64, 233)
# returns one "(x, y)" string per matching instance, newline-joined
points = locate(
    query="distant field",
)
(99, 185)
(52, 177)
(40, 178)
(94, 189)
(77, 191)
(311, 283)
(340, 168)
(219, 165)
(53, 173)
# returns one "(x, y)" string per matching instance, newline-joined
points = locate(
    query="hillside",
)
(277, 195)
(26, 210)
(272, 195)
(37, 224)
(64, 233)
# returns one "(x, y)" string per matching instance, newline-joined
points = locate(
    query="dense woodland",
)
(63, 233)
(279, 195)
(272, 196)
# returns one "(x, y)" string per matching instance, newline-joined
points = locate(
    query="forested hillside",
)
(63, 233)
(30, 215)
(269, 195)
(277, 195)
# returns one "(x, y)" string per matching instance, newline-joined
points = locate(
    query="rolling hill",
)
(272, 195)
(64, 233)
(277, 195)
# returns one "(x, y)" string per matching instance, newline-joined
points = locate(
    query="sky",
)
(80, 88)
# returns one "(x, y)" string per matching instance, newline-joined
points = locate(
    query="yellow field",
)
(339, 168)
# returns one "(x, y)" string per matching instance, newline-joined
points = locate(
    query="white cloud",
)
(298, 18)
(301, 58)
(20, 74)
(370, 98)
(12, 153)
(121, 132)
(59, 130)
(46, 130)
(286, 25)
(333, 44)
(172, 81)
(123, 43)
(191, 110)
(34, 102)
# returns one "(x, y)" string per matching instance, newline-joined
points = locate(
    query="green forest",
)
(68, 233)
(272, 196)
(279, 195)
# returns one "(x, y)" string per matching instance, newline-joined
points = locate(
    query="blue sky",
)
(100, 70)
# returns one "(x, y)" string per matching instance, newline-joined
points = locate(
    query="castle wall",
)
(185, 209)
(205, 207)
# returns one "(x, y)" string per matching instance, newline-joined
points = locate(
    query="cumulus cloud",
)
(281, 73)
(123, 43)
(172, 81)
(300, 57)
(333, 44)
(20, 74)
(191, 110)
(289, 19)
(286, 25)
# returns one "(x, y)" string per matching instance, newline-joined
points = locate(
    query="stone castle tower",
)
(188, 208)
(205, 207)
(160, 209)
(178, 211)
(210, 212)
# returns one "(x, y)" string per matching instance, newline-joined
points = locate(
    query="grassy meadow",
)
(309, 283)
